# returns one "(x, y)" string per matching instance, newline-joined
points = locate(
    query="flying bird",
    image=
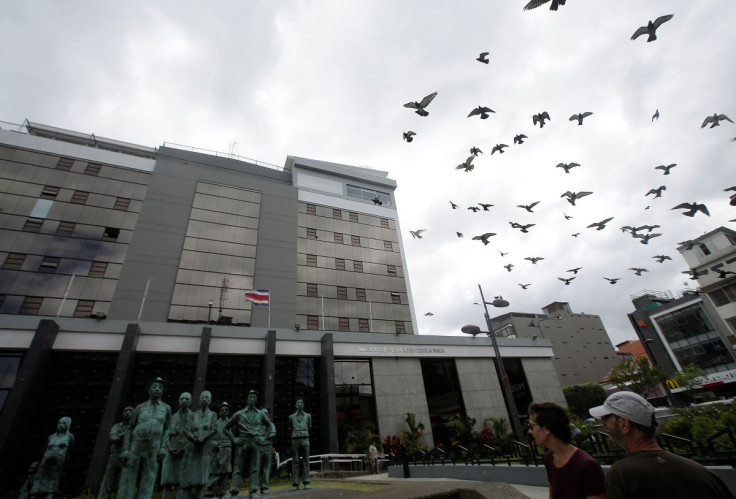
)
(575, 270)
(638, 270)
(567, 166)
(655, 115)
(482, 111)
(484, 237)
(528, 207)
(651, 28)
(567, 217)
(474, 209)
(689, 244)
(715, 120)
(377, 201)
(503, 254)
(694, 274)
(661, 258)
(723, 273)
(421, 105)
(509, 266)
(485, 206)
(732, 197)
(534, 259)
(566, 280)
(666, 169)
(533, 4)
(600, 225)
(523, 228)
(467, 165)
(540, 117)
(417, 233)
(483, 57)
(454, 206)
(612, 281)
(646, 237)
(429, 314)
(409, 136)
(579, 117)
(574, 196)
(475, 151)
(499, 148)
(519, 138)
(524, 286)
(459, 234)
(576, 234)
(657, 192)
(692, 208)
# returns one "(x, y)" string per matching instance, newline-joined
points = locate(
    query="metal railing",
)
(222, 155)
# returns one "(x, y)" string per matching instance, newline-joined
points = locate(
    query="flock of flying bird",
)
(643, 233)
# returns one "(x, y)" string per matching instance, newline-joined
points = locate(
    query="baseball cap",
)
(627, 405)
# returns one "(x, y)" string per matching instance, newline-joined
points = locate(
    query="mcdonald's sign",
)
(671, 383)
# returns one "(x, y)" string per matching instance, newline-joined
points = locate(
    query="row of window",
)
(339, 238)
(342, 293)
(65, 164)
(337, 214)
(49, 264)
(32, 304)
(724, 295)
(340, 265)
(344, 324)
(80, 197)
(67, 229)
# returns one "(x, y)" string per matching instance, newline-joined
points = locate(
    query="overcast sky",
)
(328, 79)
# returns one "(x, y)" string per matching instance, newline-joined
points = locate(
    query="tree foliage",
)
(690, 378)
(638, 376)
(411, 439)
(580, 398)
(358, 440)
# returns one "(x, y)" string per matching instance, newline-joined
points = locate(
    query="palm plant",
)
(411, 437)
(357, 440)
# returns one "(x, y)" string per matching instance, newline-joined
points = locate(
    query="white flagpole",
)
(71, 280)
(370, 315)
(143, 302)
(269, 310)
(323, 312)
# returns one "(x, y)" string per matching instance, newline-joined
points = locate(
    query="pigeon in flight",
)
(519, 138)
(428, 314)
(692, 208)
(666, 169)
(524, 286)
(467, 165)
(454, 206)
(694, 274)
(533, 4)
(638, 270)
(567, 166)
(715, 120)
(661, 258)
(646, 237)
(409, 136)
(689, 244)
(509, 266)
(534, 259)
(722, 274)
(499, 148)
(475, 151)
(732, 197)
(421, 105)
(377, 201)
(523, 228)
(655, 115)
(528, 207)
(600, 225)
(540, 117)
(651, 28)
(459, 234)
(483, 57)
(575, 270)
(482, 111)
(474, 209)
(648, 228)
(485, 206)
(417, 233)
(503, 254)
(484, 237)
(576, 234)
(574, 196)
(567, 217)
(566, 280)
(657, 192)
(579, 117)
(612, 281)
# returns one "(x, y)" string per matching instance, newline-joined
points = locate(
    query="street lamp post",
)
(209, 314)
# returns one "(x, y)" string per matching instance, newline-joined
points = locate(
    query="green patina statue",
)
(266, 444)
(300, 423)
(221, 468)
(46, 480)
(111, 478)
(195, 467)
(175, 444)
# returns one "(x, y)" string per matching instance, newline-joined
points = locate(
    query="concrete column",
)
(200, 376)
(269, 372)
(328, 399)
(23, 398)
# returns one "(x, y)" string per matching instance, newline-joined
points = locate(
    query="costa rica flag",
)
(258, 296)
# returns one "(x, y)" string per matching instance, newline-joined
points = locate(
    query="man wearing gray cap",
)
(649, 471)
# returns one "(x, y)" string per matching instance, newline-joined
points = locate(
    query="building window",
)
(400, 328)
(357, 266)
(311, 209)
(49, 264)
(31, 305)
(704, 249)
(42, 208)
(342, 293)
(731, 321)
(98, 269)
(384, 223)
(65, 229)
(33, 225)
(343, 324)
(14, 261)
(80, 197)
(122, 204)
(92, 169)
(9, 365)
(339, 263)
(311, 289)
(312, 233)
(311, 260)
(360, 294)
(383, 198)
(84, 308)
(336, 213)
(388, 246)
(65, 164)
(391, 269)
(312, 322)
(724, 295)
(353, 217)
(338, 238)
(396, 298)
(49, 192)
(355, 240)
(110, 234)
(363, 326)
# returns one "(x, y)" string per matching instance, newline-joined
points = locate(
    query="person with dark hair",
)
(572, 472)
(648, 470)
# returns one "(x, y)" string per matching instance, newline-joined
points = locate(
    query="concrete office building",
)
(582, 349)
(120, 263)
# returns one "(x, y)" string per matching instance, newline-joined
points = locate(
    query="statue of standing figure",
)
(111, 478)
(174, 444)
(267, 434)
(25, 490)
(300, 423)
(46, 480)
(195, 467)
(249, 422)
(144, 447)
(222, 466)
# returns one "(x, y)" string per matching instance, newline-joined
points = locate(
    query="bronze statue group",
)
(198, 451)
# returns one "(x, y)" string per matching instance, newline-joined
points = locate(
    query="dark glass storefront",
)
(444, 396)
(296, 377)
(355, 403)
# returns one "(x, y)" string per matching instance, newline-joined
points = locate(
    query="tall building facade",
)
(120, 263)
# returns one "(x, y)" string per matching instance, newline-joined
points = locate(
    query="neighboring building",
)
(631, 350)
(582, 348)
(120, 263)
